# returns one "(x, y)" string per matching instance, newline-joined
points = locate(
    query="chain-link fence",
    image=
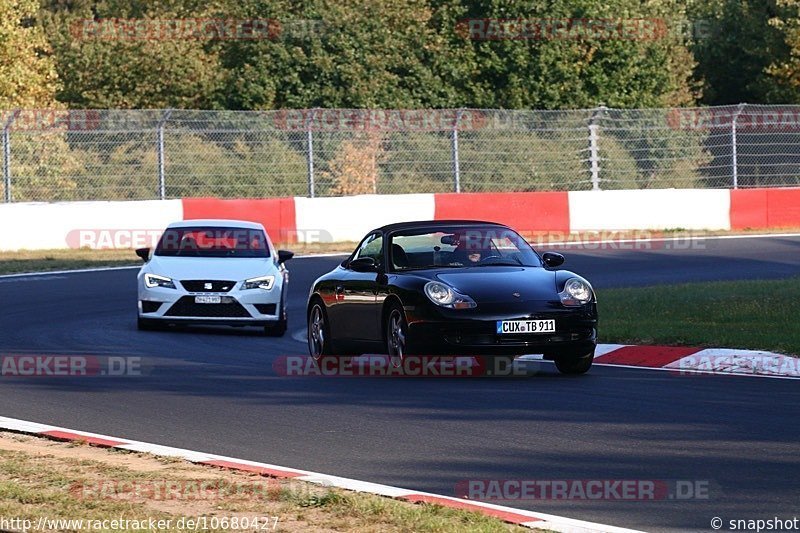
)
(54, 155)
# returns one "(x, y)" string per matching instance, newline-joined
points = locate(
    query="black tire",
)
(319, 333)
(395, 329)
(575, 365)
(145, 324)
(279, 328)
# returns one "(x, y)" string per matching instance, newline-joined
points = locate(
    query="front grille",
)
(150, 307)
(266, 309)
(207, 285)
(186, 306)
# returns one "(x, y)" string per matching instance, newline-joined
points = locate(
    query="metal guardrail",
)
(55, 155)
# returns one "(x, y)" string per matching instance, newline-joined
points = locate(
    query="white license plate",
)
(505, 327)
(208, 299)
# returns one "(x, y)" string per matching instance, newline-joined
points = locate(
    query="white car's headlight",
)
(154, 280)
(262, 282)
(446, 296)
(576, 292)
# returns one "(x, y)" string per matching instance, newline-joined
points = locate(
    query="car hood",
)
(223, 268)
(498, 284)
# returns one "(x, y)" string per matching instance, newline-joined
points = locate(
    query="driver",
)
(465, 254)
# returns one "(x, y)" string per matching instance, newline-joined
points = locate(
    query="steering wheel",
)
(484, 259)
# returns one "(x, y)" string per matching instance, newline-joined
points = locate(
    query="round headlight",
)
(439, 293)
(576, 292)
(445, 296)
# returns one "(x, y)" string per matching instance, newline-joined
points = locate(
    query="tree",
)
(27, 72)
(735, 55)
(107, 61)
(786, 70)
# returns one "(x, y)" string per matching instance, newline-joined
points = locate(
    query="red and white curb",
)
(521, 517)
(678, 359)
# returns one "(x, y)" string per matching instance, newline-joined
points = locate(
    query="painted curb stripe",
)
(96, 441)
(271, 472)
(506, 516)
(646, 356)
(521, 517)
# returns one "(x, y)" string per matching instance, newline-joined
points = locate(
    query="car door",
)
(358, 317)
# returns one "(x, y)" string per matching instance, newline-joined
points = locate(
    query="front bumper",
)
(455, 332)
(252, 307)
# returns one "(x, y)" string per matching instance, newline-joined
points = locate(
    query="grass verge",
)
(753, 314)
(69, 481)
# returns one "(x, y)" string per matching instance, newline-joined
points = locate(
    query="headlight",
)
(154, 280)
(263, 282)
(576, 292)
(445, 296)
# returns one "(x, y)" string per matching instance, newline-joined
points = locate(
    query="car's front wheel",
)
(146, 324)
(575, 365)
(319, 339)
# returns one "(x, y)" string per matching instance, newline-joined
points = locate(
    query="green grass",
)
(48, 260)
(757, 315)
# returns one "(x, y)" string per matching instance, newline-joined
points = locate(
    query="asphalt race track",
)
(215, 390)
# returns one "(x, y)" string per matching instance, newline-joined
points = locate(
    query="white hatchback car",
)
(223, 272)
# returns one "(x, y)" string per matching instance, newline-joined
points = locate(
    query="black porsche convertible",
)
(453, 287)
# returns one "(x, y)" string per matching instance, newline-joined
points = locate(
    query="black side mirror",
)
(363, 264)
(284, 255)
(552, 259)
(144, 253)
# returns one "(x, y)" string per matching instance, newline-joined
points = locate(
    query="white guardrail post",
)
(162, 183)
(7, 198)
(734, 149)
(454, 148)
(310, 152)
(594, 149)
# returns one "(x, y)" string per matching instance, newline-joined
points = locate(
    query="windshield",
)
(213, 242)
(460, 246)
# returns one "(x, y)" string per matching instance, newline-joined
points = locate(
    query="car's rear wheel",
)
(575, 365)
(319, 336)
(396, 335)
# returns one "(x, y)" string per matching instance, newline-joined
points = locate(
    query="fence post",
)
(454, 148)
(7, 157)
(594, 149)
(310, 151)
(734, 149)
(162, 184)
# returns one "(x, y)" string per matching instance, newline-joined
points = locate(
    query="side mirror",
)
(552, 259)
(284, 255)
(363, 264)
(143, 253)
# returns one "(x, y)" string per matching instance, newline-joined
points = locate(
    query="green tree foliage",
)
(27, 72)
(371, 53)
(786, 70)
(738, 48)
(104, 61)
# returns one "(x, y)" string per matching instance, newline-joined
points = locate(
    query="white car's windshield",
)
(213, 242)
